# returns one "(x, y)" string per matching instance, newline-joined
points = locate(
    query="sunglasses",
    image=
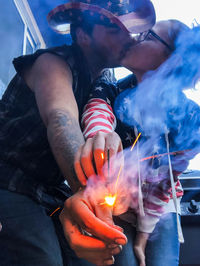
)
(144, 35)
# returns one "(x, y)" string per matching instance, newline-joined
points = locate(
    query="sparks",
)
(118, 177)
(135, 141)
(102, 155)
(55, 211)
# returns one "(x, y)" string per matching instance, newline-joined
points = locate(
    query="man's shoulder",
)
(24, 62)
(64, 50)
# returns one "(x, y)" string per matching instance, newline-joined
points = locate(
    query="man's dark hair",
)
(86, 27)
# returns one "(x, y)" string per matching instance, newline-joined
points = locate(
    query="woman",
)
(99, 122)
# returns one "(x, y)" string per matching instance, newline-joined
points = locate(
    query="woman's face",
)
(150, 53)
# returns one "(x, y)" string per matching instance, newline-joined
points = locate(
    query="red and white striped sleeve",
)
(155, 201)
(97, 116)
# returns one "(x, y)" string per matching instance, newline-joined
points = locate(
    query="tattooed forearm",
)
(65, 138)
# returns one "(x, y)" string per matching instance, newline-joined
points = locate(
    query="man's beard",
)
(124, 51)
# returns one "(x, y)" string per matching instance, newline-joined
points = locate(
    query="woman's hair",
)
(176, 27)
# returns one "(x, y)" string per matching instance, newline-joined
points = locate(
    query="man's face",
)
(110, 43)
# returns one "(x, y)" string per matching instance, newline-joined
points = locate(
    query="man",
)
(40, 135)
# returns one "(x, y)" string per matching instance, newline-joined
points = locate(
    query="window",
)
(19, 35)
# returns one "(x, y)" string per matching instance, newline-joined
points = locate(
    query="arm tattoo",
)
(65, 138)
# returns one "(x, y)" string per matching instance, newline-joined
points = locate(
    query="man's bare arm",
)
(65, 138)
(50, 79)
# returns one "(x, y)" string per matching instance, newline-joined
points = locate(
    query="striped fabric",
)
(97, 116)
(157, 197)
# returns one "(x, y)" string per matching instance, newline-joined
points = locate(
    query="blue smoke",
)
(158, 104)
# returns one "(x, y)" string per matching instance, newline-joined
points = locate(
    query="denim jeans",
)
(30, 237)
(162, 247)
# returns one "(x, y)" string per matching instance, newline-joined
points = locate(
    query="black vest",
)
(26, 160)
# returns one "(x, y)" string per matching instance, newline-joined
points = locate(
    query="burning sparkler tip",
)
(110, 200)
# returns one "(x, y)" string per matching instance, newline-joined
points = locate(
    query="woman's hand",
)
(139, 247)
(93, 154)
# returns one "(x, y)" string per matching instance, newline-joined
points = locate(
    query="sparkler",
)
(111, 198)
(140, 197)
(108, 158)
(163, 154)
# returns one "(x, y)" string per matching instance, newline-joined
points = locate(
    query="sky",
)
(183, 10)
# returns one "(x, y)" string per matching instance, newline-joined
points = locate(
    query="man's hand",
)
(91, 238)
(139, 247)
(90, 158)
